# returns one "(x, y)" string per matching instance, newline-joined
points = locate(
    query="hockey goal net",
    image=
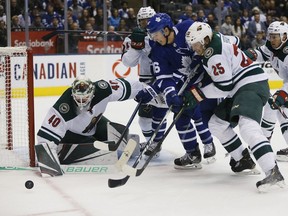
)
(16, 107)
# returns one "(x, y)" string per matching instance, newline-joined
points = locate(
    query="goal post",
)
(17, 132)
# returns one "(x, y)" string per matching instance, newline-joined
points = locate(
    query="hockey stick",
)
(91, 33)
(111, 145)
(112, 183)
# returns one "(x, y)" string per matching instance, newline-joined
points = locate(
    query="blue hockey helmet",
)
(158, 22)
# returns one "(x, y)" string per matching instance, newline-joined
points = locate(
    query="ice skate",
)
(189, 160)
(151, 148)
(245, 166)
(282, 155)
(209, 153)
(273, 177)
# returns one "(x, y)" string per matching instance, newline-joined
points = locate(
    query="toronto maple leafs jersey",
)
(132, 57)
(277, 58)
(65, 115)
(229, 68)
(173, 61)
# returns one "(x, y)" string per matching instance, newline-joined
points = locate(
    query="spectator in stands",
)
(76, 9)
(109, 8)
(256, 10)
(258, 41)
(201, 16)
(37, 24)
(187, 14)
(123, 11)
(99, 19)
(223, 12)
(92, 9)
(3, 34)
(15, 8)
(49, 15)
(70, 17)
(269, 20)
(131, 22)
(208, 7)
(56, 23)
(113, 37)
(211, 20)
(93, 23)
(245, 18)
(122, 26)
(237, 28)
(245, 42)
(59, 7)
(226, 27)
(15, 24)
(73, 38)
(255, 26)
(2, 14)
(84, 18)
(114, 20)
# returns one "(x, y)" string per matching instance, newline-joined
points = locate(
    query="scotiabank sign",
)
(92, 47)
(36, 43)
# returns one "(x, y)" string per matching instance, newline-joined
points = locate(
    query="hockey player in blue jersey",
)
(172, 64)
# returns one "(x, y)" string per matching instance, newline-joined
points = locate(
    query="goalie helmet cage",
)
(16, 107)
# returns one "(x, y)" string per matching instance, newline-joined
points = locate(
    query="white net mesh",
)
(14, 109)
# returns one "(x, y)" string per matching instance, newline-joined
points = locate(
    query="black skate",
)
(282, 155)
(189, 160)
(151, 148)
(209, 153)
(245, 166)
(274, 177)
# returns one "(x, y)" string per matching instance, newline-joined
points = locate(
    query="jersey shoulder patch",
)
(214, 48)
(102, 90)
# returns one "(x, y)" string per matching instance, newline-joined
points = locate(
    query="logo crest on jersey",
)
(208, 52)
(285, 50)
(102, 84)
(64, 108)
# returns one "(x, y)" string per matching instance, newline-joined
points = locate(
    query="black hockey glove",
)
(193, 97)
(138, 38)
(279, 99)
(146, 95)
(250, 53)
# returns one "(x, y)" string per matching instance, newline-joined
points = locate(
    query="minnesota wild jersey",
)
(229, 68)
(277, 58)
(65, 116)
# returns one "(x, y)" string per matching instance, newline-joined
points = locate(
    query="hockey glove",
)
(193, 97)
(279, 99)
(250, 53)
(173, 99)
(146, 95)
(138, 38)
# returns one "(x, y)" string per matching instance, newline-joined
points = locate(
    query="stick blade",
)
(107, 145)
(113, 183)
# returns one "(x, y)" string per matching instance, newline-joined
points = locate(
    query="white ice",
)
(159, 191)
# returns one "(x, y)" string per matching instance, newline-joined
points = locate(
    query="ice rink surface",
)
(161, 190)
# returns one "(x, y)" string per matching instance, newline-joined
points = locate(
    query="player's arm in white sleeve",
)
(130, 57)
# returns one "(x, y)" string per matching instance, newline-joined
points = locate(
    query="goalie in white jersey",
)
(77, 118)
(244, 85)
(275, 51)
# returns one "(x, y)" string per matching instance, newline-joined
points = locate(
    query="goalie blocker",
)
(50, 156)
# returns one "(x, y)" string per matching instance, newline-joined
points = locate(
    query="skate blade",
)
(210, 160)
(282, 158)
(189, 167)
(266, 187)
(249, 172)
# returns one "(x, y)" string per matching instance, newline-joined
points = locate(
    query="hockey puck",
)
(29, 184)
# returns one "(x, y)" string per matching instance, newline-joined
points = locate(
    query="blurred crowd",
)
(247, 19)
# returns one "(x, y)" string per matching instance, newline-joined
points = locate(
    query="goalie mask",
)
(82, 91)
(144, 13)
(277, 29)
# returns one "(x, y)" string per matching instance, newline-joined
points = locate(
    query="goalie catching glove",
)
(138, 38)
(193, 97)
(280, 98)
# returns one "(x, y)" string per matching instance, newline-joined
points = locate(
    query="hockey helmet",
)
(197, 32)
(82, 91)
(145, 13)
(280, 28)
(158, 22)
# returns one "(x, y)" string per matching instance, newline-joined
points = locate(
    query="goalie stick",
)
(111, 145)
(91, 33)
(112, 183)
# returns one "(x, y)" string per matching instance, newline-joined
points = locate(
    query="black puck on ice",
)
(29, 184)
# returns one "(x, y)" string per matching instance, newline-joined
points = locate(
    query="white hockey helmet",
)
(278, 27)
(82, 91)
(197, 32)
(145, 13)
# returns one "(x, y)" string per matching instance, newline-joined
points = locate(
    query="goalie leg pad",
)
(48, 160)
